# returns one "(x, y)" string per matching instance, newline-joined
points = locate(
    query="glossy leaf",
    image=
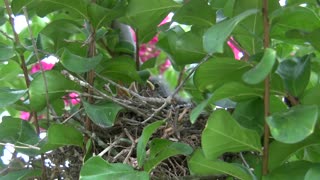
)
(121, 69)
(143, 140)
(216, 36)
(98, 168)
(103, 114)
(291, 171)
(9, 96)
(189, 14)
(176, 44)
(6, 52)
(62, 135)
(258, 73)
(294, 125)
(295, 74)
(243, 92)
(224, 134)
(201, 166)
(145, 18)
(13, 130)
(162, 149)
(313, 173)
(56, 84)
(78, 64)
(281, 152)
(218, 71)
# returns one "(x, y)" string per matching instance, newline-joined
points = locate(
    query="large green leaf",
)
(294, 17)
(62, 135)
(6, 52)
(176, 44)
(215, 37)
(242, 92)
(293, 125)
(145, 15)
(14, 130)
(189, 14)
(56, 85)
(259, 72)
(78, 64)
(103, 114)
(99, 169)
(162, 149)
(9, 71)
(22, 174)
(201, 166)
(291, 171)
(9, 96)
(281, 152)
(295, 73)
(313, 173)
(311, 96)
(143, 140)
(218, 71)
(224, 134)
(121, 69)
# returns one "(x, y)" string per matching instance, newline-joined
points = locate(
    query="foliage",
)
(238, 69)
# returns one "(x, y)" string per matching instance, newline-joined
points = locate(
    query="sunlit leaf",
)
(294, 125)
(98, 168)
(224, 134)
(216, 36)
(9, 96)
(103, 114)
(143, 140)
(201, 166)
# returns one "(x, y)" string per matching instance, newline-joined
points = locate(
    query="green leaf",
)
(121, 69)
(56, 84)
(9, 71)
(242, 92)
(189, 14)
(215, 37)
(62, 135)
(143, 140)
(258, 73)
(217, 72)
(295, 73)
(200, 165)
(224, 134)
(162, 149)
(294, 125)
(99, 169)
(250, 114)
(280, 152)
(9, 96)
(195, 113)
(22, 174)
(144, 16)
(78, 64)
(6, 52)
(291, 171)
(103, 114)
(176, 44)
(99, 15)
(14, 129)
(311, 96)
(313, 173)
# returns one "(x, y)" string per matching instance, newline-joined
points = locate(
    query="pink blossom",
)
(163, 67)
(46, 66)
(24, 115)
(237, 53)
(73, 98)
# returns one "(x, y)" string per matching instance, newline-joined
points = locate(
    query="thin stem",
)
(266, 44)
(137, 51)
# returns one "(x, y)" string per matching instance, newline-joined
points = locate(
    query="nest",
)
(121, 139)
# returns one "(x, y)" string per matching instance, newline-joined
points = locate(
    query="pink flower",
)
(165, 20)
(163, 67)
(72, 98)
(46, 66)
(237, 53)
(24, 115)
